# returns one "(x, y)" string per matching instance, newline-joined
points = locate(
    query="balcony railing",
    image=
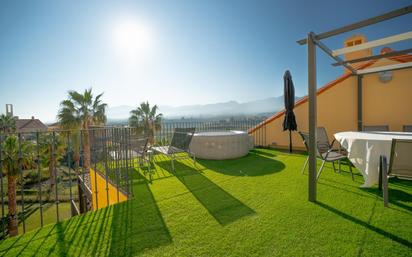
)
(60, 174)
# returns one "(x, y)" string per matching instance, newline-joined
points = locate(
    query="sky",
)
(174, 53)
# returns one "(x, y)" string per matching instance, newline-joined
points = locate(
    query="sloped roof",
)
(346, 75)
(30, 125)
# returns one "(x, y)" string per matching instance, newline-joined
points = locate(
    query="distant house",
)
(30, 125)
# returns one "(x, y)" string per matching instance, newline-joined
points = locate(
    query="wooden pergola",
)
(314, 40)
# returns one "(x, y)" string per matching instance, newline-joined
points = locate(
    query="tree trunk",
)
(76, 159)
(12, 204)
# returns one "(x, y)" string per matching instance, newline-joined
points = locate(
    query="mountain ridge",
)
(266, 105)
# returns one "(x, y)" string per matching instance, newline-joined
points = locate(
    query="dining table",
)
(365, 148)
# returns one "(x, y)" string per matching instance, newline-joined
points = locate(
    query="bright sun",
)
(131, 39)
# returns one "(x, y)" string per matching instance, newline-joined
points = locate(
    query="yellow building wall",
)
(388, 103)
(383, 103)
(98, 180)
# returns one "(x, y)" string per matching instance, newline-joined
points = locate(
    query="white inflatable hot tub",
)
(221, 145)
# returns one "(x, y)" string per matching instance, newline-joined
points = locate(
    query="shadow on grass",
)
(396, 197)
(124, 229)
(221, 205)
(137, 224)
(367, 225)
(256, 163)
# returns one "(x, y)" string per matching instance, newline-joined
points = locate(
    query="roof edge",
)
(304, 99)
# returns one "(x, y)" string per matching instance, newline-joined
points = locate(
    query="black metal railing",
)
(48, 173)
(53, 170)
(259, 136)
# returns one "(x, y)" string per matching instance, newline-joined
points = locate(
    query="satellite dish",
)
(385, 76)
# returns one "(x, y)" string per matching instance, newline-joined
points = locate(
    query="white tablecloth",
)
(365, 148)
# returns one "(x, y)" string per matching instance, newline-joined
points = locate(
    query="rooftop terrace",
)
(253, 206)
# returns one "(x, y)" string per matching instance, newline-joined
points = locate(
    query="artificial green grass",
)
(254, 206)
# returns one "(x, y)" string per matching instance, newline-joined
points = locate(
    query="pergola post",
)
(312, 116)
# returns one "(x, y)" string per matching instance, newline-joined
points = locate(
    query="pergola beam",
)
(375, 43)
(336, 58)
(361, 24)
(374, 57)
(385, 68)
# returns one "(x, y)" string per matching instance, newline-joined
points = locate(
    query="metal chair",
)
(323, 140)
(328, 156)
(407, 128)
(371, 128)
(400, 165)
(139, 150)
(325, 145)
(180, 144)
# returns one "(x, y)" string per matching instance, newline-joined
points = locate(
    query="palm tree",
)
(80, 111)
(12, 163)
(146, 119)
(7, 123)
(52, 150)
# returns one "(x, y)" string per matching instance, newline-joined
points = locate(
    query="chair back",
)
(376, 128)
(305, 138)
(407, 128)
(182, 137)
(139, 145)
(401, 162)
(323, 140)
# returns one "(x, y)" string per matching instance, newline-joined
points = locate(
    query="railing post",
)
(69, 164)
(22, 183)
(106, 153)
(94, 154)
(82, 184)
(54, 163)
(39, 177)
(127, 142)
(3, 224)
(117, 162)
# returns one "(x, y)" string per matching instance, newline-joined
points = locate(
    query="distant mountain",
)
(268, 105)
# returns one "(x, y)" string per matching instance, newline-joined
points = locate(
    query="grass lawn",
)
(254, 206)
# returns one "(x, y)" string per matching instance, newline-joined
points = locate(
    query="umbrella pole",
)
(290, 141)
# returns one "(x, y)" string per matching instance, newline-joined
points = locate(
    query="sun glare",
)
(131, 39)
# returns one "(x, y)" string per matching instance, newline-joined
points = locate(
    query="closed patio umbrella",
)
(290, 122)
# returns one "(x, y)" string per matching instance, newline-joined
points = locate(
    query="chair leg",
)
(339, 166)
(149, 166)
(304, 166)
(380, 174)
(173, 164)
(384, 176)
(320, 170)
(350, 169)
(333, 165)
(194, 161)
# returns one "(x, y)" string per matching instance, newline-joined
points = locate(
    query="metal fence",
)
(50, 174)
(58, 174)
(259, 137)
